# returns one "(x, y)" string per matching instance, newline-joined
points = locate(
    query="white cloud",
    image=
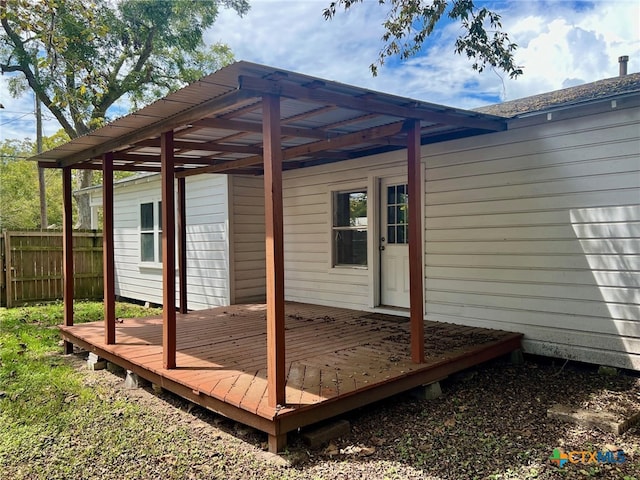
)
(561, 43)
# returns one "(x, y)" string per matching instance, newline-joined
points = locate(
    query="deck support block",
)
(67, 347)
(114, 368)
(608, 371)
(132, 380)
(427, 392)
(277, 443)
(319, 436)
(517, 357)
(94, 362)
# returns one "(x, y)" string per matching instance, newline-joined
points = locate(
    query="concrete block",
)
(132, 380)
(321, 435)
(608, 371)
(156, 388)
(607, 421)
(517, 357)
(94, 362)
(427, 392)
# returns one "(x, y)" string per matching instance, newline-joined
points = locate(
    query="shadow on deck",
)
(337, 359)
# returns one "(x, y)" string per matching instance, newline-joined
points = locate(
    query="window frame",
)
(334, 227)
(155, 230)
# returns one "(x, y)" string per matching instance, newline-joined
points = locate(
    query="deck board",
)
(336, 359)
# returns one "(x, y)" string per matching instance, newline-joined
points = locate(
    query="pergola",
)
(255, 120)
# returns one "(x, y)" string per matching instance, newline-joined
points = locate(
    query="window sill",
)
(150, 266)
(355, 270)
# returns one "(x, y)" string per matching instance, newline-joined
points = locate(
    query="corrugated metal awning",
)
(217, 124)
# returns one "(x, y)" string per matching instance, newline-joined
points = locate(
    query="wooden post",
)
(9, 268)
(67, 254)
(416, 287)
(182, 243)
(108, 251)
(272, 152)
(168, 251)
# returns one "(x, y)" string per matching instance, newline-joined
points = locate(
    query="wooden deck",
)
(337, 359)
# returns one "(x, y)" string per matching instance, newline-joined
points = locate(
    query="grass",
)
(45, 406)
(56, 423)
(38, 382)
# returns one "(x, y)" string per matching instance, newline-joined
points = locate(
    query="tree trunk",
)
(82, 200)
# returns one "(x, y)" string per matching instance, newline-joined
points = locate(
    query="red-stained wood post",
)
(168, 251)
(67, 253)
(416, 285)
(108, 251)
(182, 243)
(274, 249)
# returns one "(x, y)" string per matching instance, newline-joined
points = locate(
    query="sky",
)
(560, 44)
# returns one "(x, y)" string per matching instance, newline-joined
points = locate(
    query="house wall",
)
(307, 198)
(248, 277)
(537, 230)
(207, 240)
(533, 230)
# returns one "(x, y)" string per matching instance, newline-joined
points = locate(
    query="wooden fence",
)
(32, 266)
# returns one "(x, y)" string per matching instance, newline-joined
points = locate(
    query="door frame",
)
(384, 182)
(374, 180)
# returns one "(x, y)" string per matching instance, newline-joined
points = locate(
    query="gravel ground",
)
(490, 422)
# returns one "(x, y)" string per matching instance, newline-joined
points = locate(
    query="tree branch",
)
(24, 67)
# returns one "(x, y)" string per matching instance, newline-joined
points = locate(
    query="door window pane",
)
(397, 219)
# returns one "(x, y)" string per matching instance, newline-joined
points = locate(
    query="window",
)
(349, 229)
(397, 207)
(151, 232)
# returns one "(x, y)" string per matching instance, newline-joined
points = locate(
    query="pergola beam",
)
(203, 146)
(224, 124)
(185, 117)
(355, 138)
(257, 86)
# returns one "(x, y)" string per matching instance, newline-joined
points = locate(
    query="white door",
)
(394, 248)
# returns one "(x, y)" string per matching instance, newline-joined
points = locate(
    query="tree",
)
(19, 195)
(79, 57)
(410, 22)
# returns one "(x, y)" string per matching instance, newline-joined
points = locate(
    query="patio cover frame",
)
(256, 120)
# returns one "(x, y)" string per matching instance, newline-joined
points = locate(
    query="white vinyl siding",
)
(247, 238)
(534, 230)
(207, 240)
(207, 257)
(308, 194)
(537, 230)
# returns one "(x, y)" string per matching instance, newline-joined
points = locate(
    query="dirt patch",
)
(491, 422)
